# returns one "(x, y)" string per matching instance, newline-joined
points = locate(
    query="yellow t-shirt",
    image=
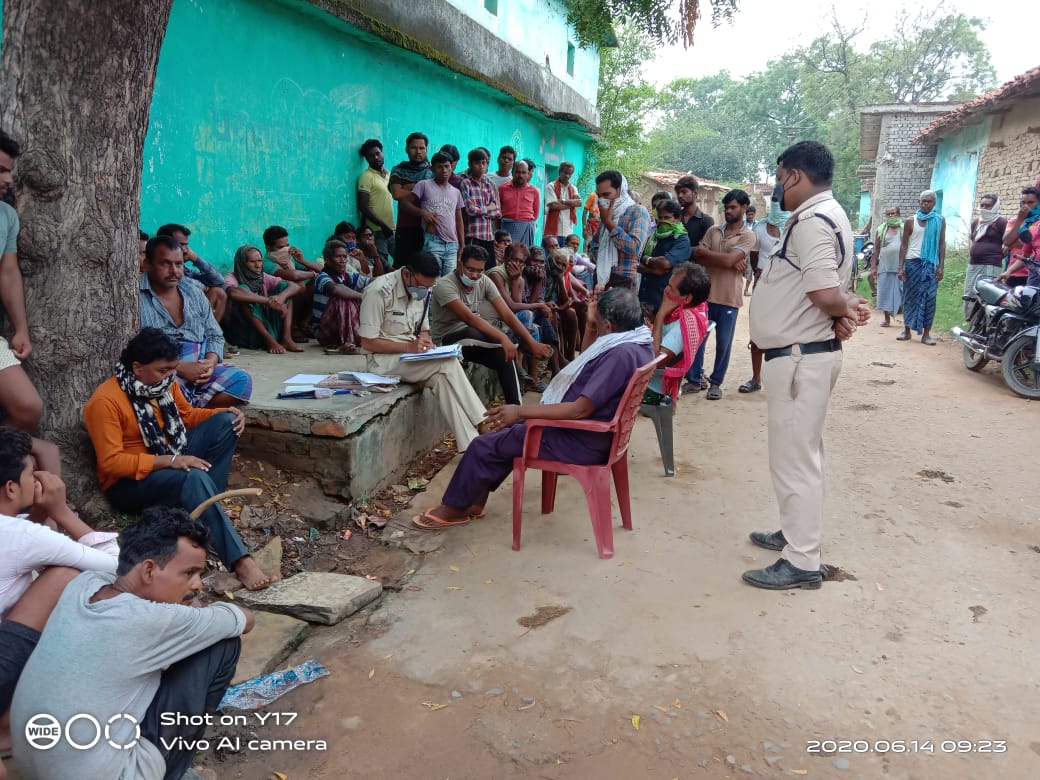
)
(379, 198)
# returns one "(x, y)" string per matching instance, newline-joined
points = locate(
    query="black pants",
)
(193, 686)
(213, 440)
(487, 246)
(492, 357)
(408, 241)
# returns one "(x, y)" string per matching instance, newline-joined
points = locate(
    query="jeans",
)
(192, 686)
(445, 251)
(725, 319)
(214, 441)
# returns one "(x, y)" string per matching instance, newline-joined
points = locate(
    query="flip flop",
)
(886, 324)
(428, 522)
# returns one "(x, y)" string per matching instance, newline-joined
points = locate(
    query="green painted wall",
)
(260, 107)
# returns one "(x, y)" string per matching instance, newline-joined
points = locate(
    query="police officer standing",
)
(799, 315)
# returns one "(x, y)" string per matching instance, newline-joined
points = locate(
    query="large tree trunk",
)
(76, 80)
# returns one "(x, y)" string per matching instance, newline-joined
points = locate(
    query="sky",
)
(765, 29)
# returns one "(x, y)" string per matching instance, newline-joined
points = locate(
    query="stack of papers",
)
(368, 380)
(306, 379)
(437, 353)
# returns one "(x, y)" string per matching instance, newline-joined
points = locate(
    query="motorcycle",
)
(863, 257)
(1004, 325)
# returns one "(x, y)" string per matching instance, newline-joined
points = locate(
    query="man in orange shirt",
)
(154, 448)
(520, 202)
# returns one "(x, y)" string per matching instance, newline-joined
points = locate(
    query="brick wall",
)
(1011, 160)
(904, 169)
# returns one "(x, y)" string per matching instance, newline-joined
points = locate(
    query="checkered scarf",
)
(172, 437)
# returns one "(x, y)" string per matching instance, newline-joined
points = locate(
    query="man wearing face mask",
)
(624, 229)
(458, 299)
(798, 308)
(395, 319)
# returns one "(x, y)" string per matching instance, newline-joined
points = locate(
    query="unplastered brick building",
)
(895, 169)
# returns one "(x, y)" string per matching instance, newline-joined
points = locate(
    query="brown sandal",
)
(430, 522)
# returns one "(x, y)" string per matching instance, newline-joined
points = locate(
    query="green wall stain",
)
(260, 108)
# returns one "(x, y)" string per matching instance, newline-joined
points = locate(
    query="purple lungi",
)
(489, 458)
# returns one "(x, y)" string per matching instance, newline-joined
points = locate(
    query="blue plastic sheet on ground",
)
(267, 687)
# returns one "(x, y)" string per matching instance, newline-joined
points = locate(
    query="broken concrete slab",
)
(269, 643)
(318, 597)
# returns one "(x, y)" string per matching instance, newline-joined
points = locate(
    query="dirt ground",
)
(920, 663)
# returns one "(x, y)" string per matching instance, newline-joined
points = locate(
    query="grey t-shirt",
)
(8, 229)
(443, 321)
(106, 659)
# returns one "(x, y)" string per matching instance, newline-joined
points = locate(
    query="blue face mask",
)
(417, 293)
(466, 281)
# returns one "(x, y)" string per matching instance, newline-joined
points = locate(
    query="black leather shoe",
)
(782, 576)
(773, 541)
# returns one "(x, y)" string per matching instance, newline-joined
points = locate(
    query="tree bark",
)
(76, 81)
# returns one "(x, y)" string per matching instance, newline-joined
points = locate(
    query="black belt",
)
(831, 345)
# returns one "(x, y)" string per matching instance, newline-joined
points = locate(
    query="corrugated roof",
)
(1025, 85)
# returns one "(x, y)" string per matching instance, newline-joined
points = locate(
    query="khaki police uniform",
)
(813, 254)
(389, 312)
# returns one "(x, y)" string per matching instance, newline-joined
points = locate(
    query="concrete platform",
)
(353, 445)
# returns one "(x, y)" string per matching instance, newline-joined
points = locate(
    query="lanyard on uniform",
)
(425, 308)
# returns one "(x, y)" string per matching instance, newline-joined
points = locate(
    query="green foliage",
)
(727, 129)
(660, 21)
(625, 100)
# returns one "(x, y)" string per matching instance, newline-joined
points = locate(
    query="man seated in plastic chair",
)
(679, 328)
(616, 344)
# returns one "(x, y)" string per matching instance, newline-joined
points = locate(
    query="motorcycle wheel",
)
(1020, 373)
(973, 361)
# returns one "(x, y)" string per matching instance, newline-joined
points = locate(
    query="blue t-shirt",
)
(8, 229)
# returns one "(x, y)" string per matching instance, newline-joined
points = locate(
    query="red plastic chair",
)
(595, 480)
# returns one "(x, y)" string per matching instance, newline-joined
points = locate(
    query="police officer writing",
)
(799, 316)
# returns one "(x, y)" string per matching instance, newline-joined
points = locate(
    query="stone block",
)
(269, 643)
(317, 597)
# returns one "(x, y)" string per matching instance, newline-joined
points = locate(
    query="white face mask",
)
(604, 203)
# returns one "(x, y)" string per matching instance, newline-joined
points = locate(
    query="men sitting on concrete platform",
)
(154, 448)
(395, 319)
(203, 272)
(458, 299)
(30, 549)
(178, 307)
(134, 650)
(617, 343)
(363, 254)
(261, 313)
(288, 263)
(336, 315)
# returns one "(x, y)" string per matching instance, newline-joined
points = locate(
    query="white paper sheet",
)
(306, 379)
